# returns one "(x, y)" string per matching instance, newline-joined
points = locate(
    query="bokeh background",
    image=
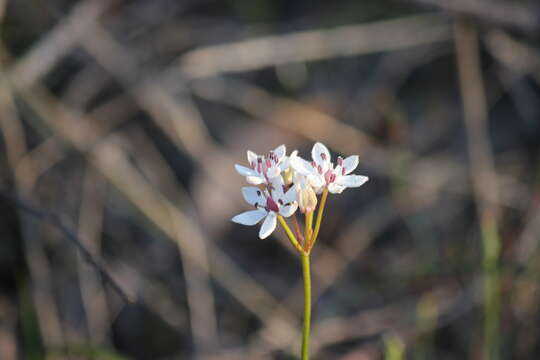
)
(120, 124)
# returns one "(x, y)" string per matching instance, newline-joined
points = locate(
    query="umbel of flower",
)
(268, 205)
(264, 168)
(285, 183)
(322, 173)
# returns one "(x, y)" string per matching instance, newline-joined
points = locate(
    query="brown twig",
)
(485, 186)
(310, 45)
(510, 15)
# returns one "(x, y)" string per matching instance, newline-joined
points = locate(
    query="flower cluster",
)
(283, 184)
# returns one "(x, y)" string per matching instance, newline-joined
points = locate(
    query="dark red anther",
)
(256, 205)
(340, 161)
(323, 156)
(271, 205)
(319, 169)
(252, 165)
(268, 163)
(280, 202)
(314, 164)
(258, 192)
(342, 171)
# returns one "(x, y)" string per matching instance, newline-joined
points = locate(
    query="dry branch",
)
(504, 13)
(313, 45)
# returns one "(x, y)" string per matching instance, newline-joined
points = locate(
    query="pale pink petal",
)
(350, 163)
(268, 226)
(251, 217)
(351, 180)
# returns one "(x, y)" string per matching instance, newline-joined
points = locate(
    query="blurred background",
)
(121, 121)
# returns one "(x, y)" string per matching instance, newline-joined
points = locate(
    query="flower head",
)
(268, 205)
(322, 173)
(263, 168)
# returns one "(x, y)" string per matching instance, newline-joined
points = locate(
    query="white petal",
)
(253, 195)
(268, 226)
(300, 180)
(249, 217)
(289, 196)
(252, 157)
(255, 180)
(316, 181)
(277, 185)
(319, 152)
(277, 182)
(244, 171)
(273, 171)
(336, 188)
(288, 210)
(350, 163)
(302, 166)
(351, 180)
(280, 152)
(286, 163)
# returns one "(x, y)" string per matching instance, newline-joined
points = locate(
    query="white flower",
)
(321, 172)
(268, 204)
(263, 169)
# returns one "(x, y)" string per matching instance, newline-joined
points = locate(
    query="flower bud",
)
(307, 200)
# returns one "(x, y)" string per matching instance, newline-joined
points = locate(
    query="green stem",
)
(319, 218)
(290, 234)
(307, 306)
(491, 244)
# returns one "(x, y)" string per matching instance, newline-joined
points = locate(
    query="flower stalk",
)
(307, 306)
(319, 218)
(290, 234)
(308, 231)
(284, 184)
